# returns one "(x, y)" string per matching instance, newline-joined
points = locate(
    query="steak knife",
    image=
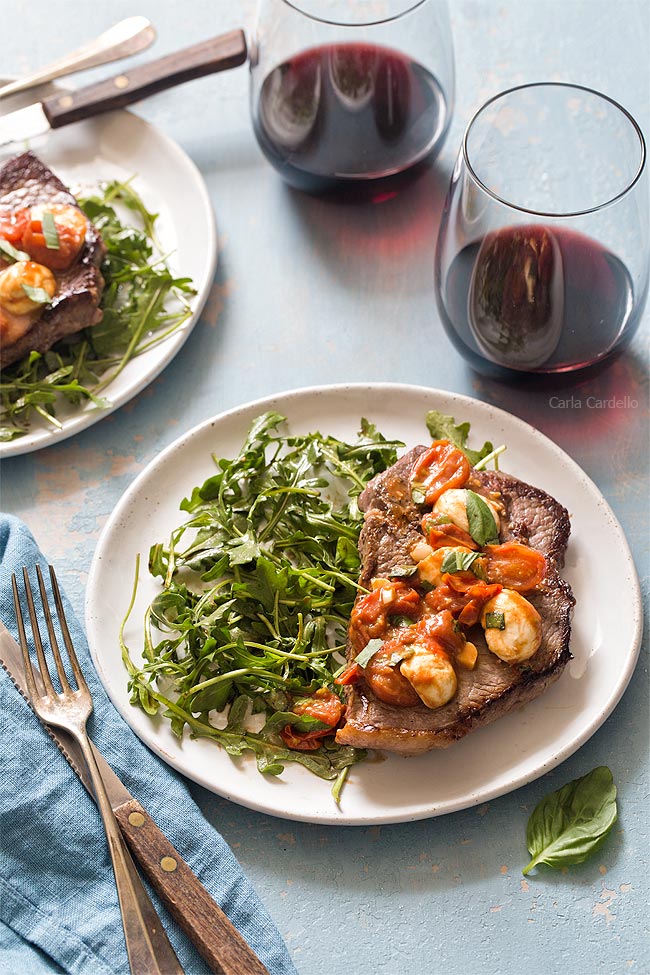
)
(187, 900)
(207, 57)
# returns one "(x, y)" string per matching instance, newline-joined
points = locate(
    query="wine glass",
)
(542, 256)
(346, 92)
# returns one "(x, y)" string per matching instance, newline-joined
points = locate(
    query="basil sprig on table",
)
(257, 588)
(569, 825)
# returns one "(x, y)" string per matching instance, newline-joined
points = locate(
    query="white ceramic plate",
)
(488, 763)
(122, 146)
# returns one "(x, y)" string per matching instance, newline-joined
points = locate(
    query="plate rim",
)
(88, 415)
(336, 818)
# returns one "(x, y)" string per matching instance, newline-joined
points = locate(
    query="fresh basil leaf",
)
(10, 251)
(482, 526)
(443, 427)
(570, 824)
(368, 651)
(495, 621)
(457, 561)
(50, 232)
(38, 295)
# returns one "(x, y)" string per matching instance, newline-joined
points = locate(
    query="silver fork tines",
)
(148, 947)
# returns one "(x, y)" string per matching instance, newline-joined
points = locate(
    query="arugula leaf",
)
(482, 526)
(443, 427)
(567, 826)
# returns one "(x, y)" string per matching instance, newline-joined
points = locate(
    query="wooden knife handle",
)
(189, 903)
(217, 54)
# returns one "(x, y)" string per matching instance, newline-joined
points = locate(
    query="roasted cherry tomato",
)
(464, 598)
(445, 534)
(12, 225)
(439, 468)
(385, 680)
(515, 566)
(325, 706)
(370, 615)
(71, 226)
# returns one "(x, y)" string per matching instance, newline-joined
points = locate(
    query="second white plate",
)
(124, 146)
(487, 763)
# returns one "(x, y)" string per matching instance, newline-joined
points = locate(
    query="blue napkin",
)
(58, 903)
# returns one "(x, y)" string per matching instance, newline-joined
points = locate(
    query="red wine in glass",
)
(341, 114)
(537, 299)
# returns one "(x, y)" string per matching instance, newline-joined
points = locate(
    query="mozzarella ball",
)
(522, 633)
(453, 504)
(431, 676)
(429, 568)
(13, 297)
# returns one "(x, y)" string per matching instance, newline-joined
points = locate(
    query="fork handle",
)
(187, 900)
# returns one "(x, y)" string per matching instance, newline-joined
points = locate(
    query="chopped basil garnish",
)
(418, 495)
(495, 621)
(457, 561)
(10, 251)
(38, 295)
(368, 652)
(401, 621)
(50, 232)
(482, 526)
(403, 570)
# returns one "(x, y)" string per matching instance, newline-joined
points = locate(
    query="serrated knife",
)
(187, 900)
(207, 57)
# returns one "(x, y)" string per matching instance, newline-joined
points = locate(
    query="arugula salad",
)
(142, 303)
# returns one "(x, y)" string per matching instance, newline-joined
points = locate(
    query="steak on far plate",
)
(25, 181)
(493, 688)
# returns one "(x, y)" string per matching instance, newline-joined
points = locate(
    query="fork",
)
(148, 947)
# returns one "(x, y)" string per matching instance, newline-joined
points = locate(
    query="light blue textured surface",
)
(308, 292)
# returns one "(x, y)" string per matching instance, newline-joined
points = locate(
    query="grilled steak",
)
(492, 688)
(25, 182)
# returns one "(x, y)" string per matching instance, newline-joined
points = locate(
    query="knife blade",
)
(187, 900)
(207, 57)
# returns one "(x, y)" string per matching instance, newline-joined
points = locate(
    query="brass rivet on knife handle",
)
(136, 819)
(189, 903)
(168, 864)
(216, 54)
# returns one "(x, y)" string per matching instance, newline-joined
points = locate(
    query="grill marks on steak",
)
(493, 688)
(25, 181)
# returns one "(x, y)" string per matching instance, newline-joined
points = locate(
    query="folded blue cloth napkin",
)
(58, 903)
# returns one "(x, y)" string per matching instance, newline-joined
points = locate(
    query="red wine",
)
(537, 299)
(341, 113)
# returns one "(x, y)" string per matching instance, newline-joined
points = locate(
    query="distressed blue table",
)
(309, 291)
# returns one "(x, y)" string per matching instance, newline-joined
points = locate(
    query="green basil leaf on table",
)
(569, 825)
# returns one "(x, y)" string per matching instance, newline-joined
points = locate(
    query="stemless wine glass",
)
(542, 257)
(344, 92)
